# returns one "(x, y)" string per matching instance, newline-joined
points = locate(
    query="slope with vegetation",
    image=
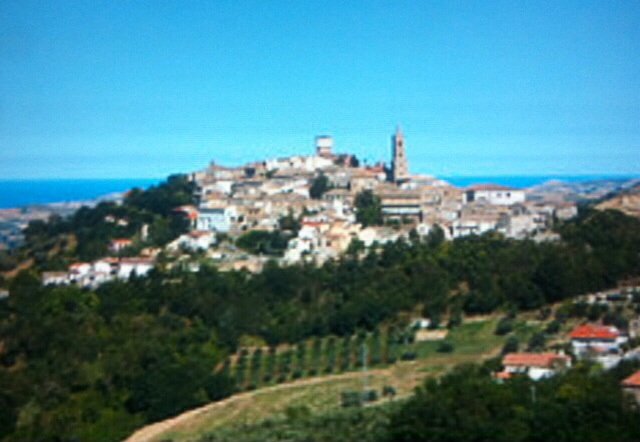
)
(95, 365)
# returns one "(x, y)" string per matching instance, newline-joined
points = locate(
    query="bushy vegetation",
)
(468, 405)
(86, 234)
(585, 404)
(368, 209)
(345, 425)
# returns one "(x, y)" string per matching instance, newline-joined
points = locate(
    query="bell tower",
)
(399, 165)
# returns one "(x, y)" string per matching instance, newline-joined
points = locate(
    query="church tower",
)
(399, 166)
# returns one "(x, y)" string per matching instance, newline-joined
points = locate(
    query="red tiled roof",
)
(588, 331)
(312, 223)
(632, 381)
(503, 375)
(121, 241)
(200, 233)
(532, 359)
(76, 265)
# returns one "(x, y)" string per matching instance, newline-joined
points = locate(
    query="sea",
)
(20, 193)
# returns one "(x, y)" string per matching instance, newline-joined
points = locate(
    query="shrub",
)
(409, 356)
(445, 347)
(511, 346)
(351, 399)
(388, 391)
(553, 327)
(505, 326)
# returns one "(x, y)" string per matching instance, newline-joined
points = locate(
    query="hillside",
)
(626, 201)
(472, 342)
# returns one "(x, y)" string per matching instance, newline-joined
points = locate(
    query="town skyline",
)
(134, 90)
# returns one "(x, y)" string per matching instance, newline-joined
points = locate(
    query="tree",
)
(368, 209)
(511, 346)
(319, 186)
(435, 237)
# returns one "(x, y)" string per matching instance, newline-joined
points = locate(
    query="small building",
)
(133, 266)
(494, 194)
(632, 385)
(195, 240)
(79, 269)
(588, 337)
(119, 244)
(217, 219)
(535, 365)
(324, 146)
(55, 278)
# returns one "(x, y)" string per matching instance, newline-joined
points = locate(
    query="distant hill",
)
(627, 201)
(585, 191)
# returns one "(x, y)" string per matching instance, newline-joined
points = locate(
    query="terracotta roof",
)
(632, 381)
(532, 359)
(76, 265)
(588, 331)
(121, 241)
(503, 375)
(200, 233)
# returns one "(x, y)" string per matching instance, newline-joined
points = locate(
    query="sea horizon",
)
(17, 193)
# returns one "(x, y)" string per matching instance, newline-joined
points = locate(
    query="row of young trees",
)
(315, 356)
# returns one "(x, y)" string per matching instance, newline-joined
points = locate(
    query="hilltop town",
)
(317, 207)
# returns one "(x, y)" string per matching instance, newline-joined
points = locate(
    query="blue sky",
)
(144, 89)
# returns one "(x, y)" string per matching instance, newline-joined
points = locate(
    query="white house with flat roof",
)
(494, 194)
(217, 219)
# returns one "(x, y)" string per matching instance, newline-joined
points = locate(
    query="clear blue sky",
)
(143, 89)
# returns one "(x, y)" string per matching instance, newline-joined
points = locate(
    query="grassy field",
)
(472, 342)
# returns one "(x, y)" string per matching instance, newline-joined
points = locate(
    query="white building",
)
(195, 240)
(324, 146)
(309, 164)
(494, 194)
(218, 220)
(119, 244)
(535, 365)
(600, 343)
(134, 266)
(55, 278)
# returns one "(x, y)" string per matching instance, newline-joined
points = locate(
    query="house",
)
(119, 244)
(494, 194)
(632, 385)
(131, 266)
(55, 278)
(79, 269)
(105, 265)
(599, 343)
(217, 219)
(588, 336)
(474, 224)
(535, 365)
(194, 240)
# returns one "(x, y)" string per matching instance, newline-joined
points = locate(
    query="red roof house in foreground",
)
(535, 365)
(632, 385)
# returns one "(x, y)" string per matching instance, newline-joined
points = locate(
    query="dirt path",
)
(148, 433)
